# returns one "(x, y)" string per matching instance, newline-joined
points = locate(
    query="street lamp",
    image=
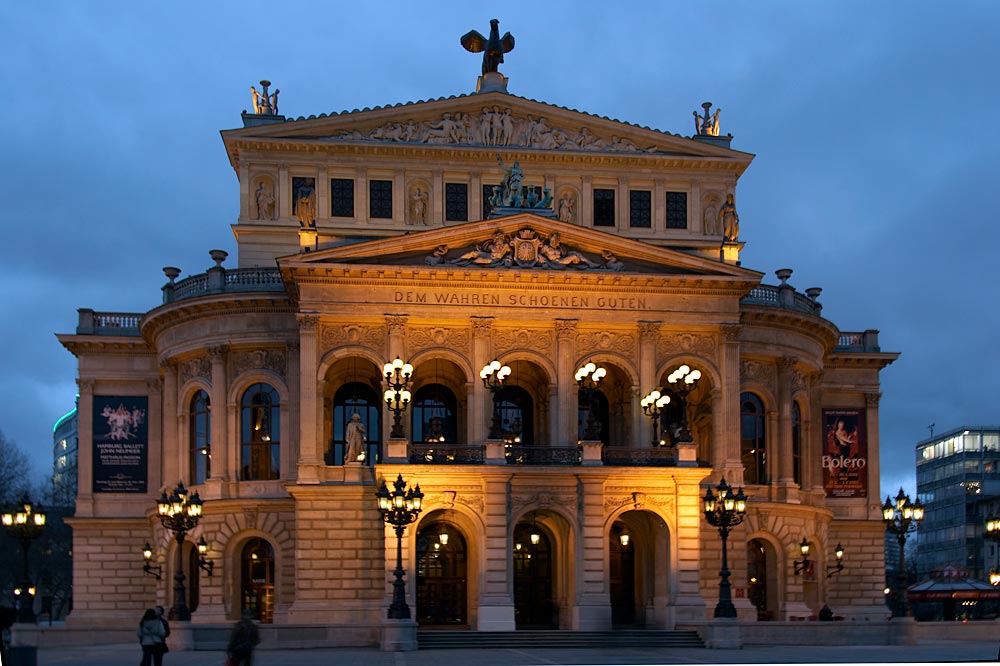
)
(25, 523)
(179, 513)
(834, 569)
(682, 381)
(804, 564)
(399, 508)
(493, 375)
(588, 378)
(725, 511)
(397, 377)
(204, 563)
(148, 568)
(653, 406)
(901, 517)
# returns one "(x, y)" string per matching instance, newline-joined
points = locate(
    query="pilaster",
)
(730, 464)
(85, 448)
(649, 332)
(310, 451)
(173, 452)
(566, 396)
(221, 466)
(482, 349)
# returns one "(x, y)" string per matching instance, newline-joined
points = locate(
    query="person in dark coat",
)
(242, 640)
(151, 636)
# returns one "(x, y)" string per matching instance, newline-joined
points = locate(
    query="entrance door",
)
(534, 605)
(622, 575)
(441, 577)
(757, 582)
(257, 580)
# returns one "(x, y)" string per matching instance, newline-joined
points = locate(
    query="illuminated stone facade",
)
(363, 236)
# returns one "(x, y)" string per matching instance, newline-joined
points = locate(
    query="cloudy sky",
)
(875, 127)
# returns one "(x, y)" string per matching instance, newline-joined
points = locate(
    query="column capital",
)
(566, 328)
(731, 332)
(482, 325)
(308, 322)
(217, 353)
(786, 364)
(396, 322)
(649, 330)
(871, 399)
(167, 363)
(86, 385)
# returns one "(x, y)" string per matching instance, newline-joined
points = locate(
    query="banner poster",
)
(121, 443)
(845, 453)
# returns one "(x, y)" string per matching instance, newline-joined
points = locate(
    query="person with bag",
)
(242, 640)
(151, 637)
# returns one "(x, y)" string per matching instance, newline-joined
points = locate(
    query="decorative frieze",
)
(760, 373)
(614, 501)
(468, 496)
(257, 359)
(333, 336)
(451, 338)
(506, 339)
(542, 500)
(495, 126)
(622, 343)
(195, 367)
(672, 344)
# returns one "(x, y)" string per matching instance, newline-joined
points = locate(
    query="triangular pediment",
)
(489, 120)
(521, 242)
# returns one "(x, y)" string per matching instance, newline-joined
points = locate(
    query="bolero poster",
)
(845, 453)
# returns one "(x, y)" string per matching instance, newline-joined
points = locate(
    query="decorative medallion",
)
(670, 344)
(507, 339)
(372, 337)
(422, 338)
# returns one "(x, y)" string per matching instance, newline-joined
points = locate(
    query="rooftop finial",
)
(709, 125)
(492, 49)
(264, 103)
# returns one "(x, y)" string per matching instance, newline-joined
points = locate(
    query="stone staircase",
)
(473, 640)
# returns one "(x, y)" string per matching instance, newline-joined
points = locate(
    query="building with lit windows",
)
(958, 482)
(65, 443)
(450, 233)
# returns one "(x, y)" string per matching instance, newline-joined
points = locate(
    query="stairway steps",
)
(443, 640)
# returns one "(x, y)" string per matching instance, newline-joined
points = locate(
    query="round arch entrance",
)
(639, 566)
(762, 582)
(534, 586)
(442, 577)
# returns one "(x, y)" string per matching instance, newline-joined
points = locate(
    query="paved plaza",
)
(942, 651)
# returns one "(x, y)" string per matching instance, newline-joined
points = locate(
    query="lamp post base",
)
(398, 636)
(723, 634)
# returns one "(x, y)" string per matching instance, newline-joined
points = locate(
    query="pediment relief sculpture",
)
(495, 126)
(525, 249)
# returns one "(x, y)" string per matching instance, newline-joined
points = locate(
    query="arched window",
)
(199, 454)
(516, 411)
(599, 403)
(362, 399)
(796, 443)
(752, 444)
(434, 415)
(442, 570)
(257, 580)
(261, 434)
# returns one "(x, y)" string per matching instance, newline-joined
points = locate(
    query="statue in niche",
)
(492, 48)
(418, 206)
(264, 199)
(709, 125)
(354, 436)
(305, 206)
(567, 208)
(710, 218)
(728, 220)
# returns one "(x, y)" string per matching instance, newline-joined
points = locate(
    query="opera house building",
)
(536, 315)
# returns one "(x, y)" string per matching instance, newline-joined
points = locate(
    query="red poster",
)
(845, 453)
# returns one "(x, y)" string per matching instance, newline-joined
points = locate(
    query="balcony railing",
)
(219, 280)
(543, 455)
(108, 323)
(864, 341)
(435, 454)
(782, 297)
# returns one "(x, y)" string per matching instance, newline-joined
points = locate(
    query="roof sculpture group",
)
(492, 48)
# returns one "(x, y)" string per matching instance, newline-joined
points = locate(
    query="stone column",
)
(85, 449)
(566, 393)
(480, 406)
(400, 202)
(783, 451)
(361, 212)
(310, 433)
(730, 464)
(496, 596)
(284, 193)
(435, 214)
(218, 444)
(175, 454)
(585, 207)
(621, 205)
(155, 446)
(649, 332)
(812, 470)
(291, 458)
(246, 209)
(323, 195)
(659, 206)
(475, 196)
(871, 423)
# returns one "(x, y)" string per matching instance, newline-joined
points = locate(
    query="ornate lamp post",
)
(589, 378)
(653, 406)
(399, 508)
(493, 375)
(397, 396)
(682, 381)
(834, 569)
(25, 523)
(804, 564)
(993, 534)
(179, 513)
(725, 511)
(901, 517)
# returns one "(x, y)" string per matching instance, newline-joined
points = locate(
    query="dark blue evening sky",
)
(874, 125)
